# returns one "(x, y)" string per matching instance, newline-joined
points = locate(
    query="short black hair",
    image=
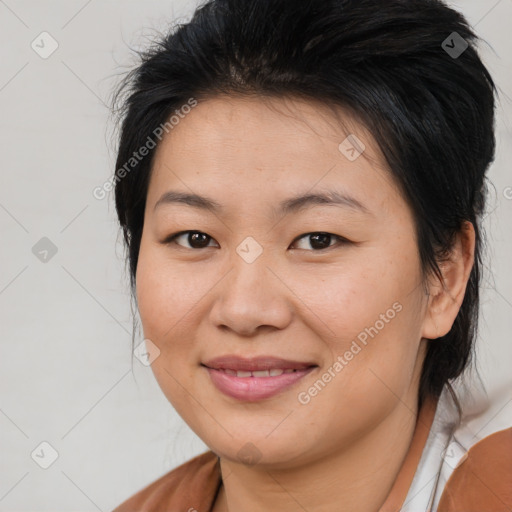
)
(408, 70)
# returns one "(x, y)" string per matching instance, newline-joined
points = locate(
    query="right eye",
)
(195, 239)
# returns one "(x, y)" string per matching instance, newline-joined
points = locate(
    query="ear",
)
(445, 298)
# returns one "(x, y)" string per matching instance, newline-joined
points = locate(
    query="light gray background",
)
(66, 374)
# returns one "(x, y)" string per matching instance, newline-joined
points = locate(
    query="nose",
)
(251, 298)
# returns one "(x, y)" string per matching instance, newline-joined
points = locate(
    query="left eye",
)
(199, 240)
(322, 240)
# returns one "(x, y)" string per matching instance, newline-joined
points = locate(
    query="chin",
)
(258, 450)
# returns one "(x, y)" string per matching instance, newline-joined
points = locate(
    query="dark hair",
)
(421, 90)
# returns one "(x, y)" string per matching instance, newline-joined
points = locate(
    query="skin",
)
(294, 301)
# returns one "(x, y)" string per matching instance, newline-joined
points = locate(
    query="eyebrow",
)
(291, 205)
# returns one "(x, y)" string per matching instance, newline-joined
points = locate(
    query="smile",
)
(257, 378)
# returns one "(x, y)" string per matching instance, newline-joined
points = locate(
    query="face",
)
(331, 289)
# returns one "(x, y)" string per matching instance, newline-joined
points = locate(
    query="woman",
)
(300, 185)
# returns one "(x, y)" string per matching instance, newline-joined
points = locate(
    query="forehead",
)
(255, 148)
(268, 122)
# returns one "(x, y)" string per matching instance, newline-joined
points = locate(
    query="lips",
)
(255, 378)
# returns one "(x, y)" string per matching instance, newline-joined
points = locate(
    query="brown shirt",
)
(482, 482)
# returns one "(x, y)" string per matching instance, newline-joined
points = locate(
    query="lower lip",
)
(254, 388)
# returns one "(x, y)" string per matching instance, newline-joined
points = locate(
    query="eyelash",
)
(171, 239)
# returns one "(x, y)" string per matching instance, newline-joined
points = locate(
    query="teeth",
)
(261, 373)
(274, 372)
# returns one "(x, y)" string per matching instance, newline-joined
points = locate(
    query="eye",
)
(321, 240)
(199, 240)
(195, 239)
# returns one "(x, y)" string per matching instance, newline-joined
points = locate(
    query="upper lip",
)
(232, 362)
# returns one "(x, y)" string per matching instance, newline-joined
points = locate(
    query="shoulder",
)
(483, 478)
(192, 485)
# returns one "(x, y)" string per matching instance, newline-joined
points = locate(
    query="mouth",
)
(255, 378)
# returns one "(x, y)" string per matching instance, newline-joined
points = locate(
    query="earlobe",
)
(445, 298)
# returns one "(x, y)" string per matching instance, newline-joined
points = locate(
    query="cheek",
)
(369, 379)
(167, 293)
(369, 316)
(167, 299)
(345, 298)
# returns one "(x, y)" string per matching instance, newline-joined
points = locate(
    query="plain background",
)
(66, 368)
